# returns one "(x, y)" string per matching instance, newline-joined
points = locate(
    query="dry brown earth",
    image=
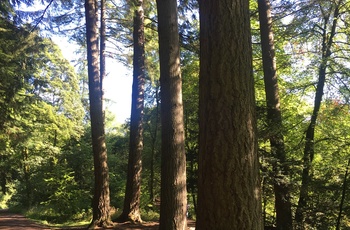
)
(10, 221)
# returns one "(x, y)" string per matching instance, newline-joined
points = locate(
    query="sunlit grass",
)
(4, 198)
(47, 216)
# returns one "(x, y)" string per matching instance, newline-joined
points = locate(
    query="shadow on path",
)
(11, 221)
(15, 221)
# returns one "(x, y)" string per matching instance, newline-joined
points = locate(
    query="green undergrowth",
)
(149, 215)
(47, 216)
(146, 215)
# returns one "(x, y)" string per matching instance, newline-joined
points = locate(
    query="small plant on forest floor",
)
(5, 198)
(149, 215)
(146, 214)
(48, 216)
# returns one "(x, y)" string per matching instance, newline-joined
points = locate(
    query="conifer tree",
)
(101, 199)
(274, 119)
(229, 185)
(131, 210)
(173, 163)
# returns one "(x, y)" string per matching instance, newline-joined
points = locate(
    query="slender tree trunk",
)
(274, 119)
(28, 184)
(192, 159)
(264, 199)
(151, 179)
(173, 164)
(3, 181)
(131, 209)
(310, 133)
(343, 196)
(3, 173)
(192, 188)
(229, 185)
(101, 200)
(153, 149)
(102, 48)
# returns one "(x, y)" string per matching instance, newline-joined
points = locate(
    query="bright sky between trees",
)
(117, 84)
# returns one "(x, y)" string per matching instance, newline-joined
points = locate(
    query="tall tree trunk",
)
(3, 181)
(192, 159)
(264, 200)
(343, 196)
(26, 173)
(151, 178)
(274, 119)
(173, 163)
(310, 132)
(102, 48)
(101, 199)
(153, 135)
(194, 179)
(229, 186)
(131, 209)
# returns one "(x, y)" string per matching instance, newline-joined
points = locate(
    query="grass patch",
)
(47, 216)
(146, 214)
(149, 215)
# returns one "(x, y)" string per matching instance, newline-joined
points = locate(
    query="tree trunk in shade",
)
(274, 119)
(327, 41)
(131, 209)
(101, 199)
(229, 185)
(173, 162)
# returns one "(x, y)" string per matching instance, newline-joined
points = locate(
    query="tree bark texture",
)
(310, 132)
(101, 199)
(341, 205)
(229, 186)
(173, 162)
(274, 119)
(102, 46)
(131, 209)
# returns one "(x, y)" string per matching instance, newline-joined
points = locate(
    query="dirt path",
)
(10, 221)
(16, 221)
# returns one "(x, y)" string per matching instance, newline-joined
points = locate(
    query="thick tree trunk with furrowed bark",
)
(229, 186)
(173, 163)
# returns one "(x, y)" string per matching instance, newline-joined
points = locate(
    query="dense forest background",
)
(46, 159)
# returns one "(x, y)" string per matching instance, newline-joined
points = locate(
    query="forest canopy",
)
(296, 61)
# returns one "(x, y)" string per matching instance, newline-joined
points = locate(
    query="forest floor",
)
(11, 221)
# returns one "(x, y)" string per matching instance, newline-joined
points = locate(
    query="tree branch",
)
(42, 16)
